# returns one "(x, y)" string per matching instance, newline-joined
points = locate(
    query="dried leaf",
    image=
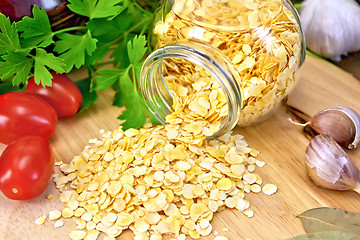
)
(330, 219)
(330, 235)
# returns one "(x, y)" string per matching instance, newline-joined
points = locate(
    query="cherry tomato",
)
(24, 114)
(63, 95)
(26, 167)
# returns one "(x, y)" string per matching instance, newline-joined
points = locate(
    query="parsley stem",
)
(127, 32)
(69, 29)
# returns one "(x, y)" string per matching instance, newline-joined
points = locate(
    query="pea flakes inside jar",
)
(261, 38)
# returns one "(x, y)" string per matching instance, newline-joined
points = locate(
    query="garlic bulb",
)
(331, 27)
(329, 166)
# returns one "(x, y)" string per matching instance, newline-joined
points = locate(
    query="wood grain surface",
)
(281, 144)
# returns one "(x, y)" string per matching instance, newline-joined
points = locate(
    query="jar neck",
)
(158, 97)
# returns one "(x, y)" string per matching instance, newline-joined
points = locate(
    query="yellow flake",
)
(194, 127)
(260, 163)
(187, 191)
(77, 234)
(198, 191)
(157, 203)
(114, 188)
(153, 218)
(58, 224)
(251, 168)
(86, 217)
(249, 213)
(67, 168)
(172, 177)
(196, 210)
(61, 180)
(238, 169)
(231, 202)
(93, 209)
(183, 166)
(92, 234)
(250, 178)
(236, 159)
(172, 133)
(177, 153)
(79, 211)
(246, 49)
(54, 215)
(119, 204)
(80, 224)
(256, 188)
(97, 218)
(224, 184)
(213, 206)
(241, 204)
(91, 225)
(110, 217)
(269, 189)
(140, 225)
(41, 220)
(72, 204)
(204, 223)
(204, 231)
(108, 156)
(67, 213)
(124, 219)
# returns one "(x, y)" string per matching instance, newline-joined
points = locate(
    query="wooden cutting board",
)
(281, 144)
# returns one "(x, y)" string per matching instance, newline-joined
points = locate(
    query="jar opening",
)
(159, 98)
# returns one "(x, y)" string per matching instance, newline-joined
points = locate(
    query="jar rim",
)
(205, 56)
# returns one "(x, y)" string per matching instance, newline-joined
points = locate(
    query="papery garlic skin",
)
(329, 166)
(331, 27)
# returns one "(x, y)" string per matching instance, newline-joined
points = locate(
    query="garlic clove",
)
(329, 166)
(341, 123)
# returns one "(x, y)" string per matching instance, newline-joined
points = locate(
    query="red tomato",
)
(26, 167)
(63, 95)
(24, 114)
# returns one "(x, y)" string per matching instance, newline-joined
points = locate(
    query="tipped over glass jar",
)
(250, 49)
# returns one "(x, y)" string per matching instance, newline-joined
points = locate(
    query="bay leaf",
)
(327, 235)
(330, 219)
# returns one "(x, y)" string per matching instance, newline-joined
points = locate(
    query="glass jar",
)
(252, 48)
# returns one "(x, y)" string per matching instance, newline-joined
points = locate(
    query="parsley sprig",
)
(114, 33)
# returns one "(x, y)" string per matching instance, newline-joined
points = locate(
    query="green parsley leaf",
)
(136, 49)
(16, 65)
(98, 55)
(36, 30)
(120, 54)
(95, 8)
(9, 38)
(129, 96)
(43, 60)
(110, 30)
(107, 77)
(73, 48)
